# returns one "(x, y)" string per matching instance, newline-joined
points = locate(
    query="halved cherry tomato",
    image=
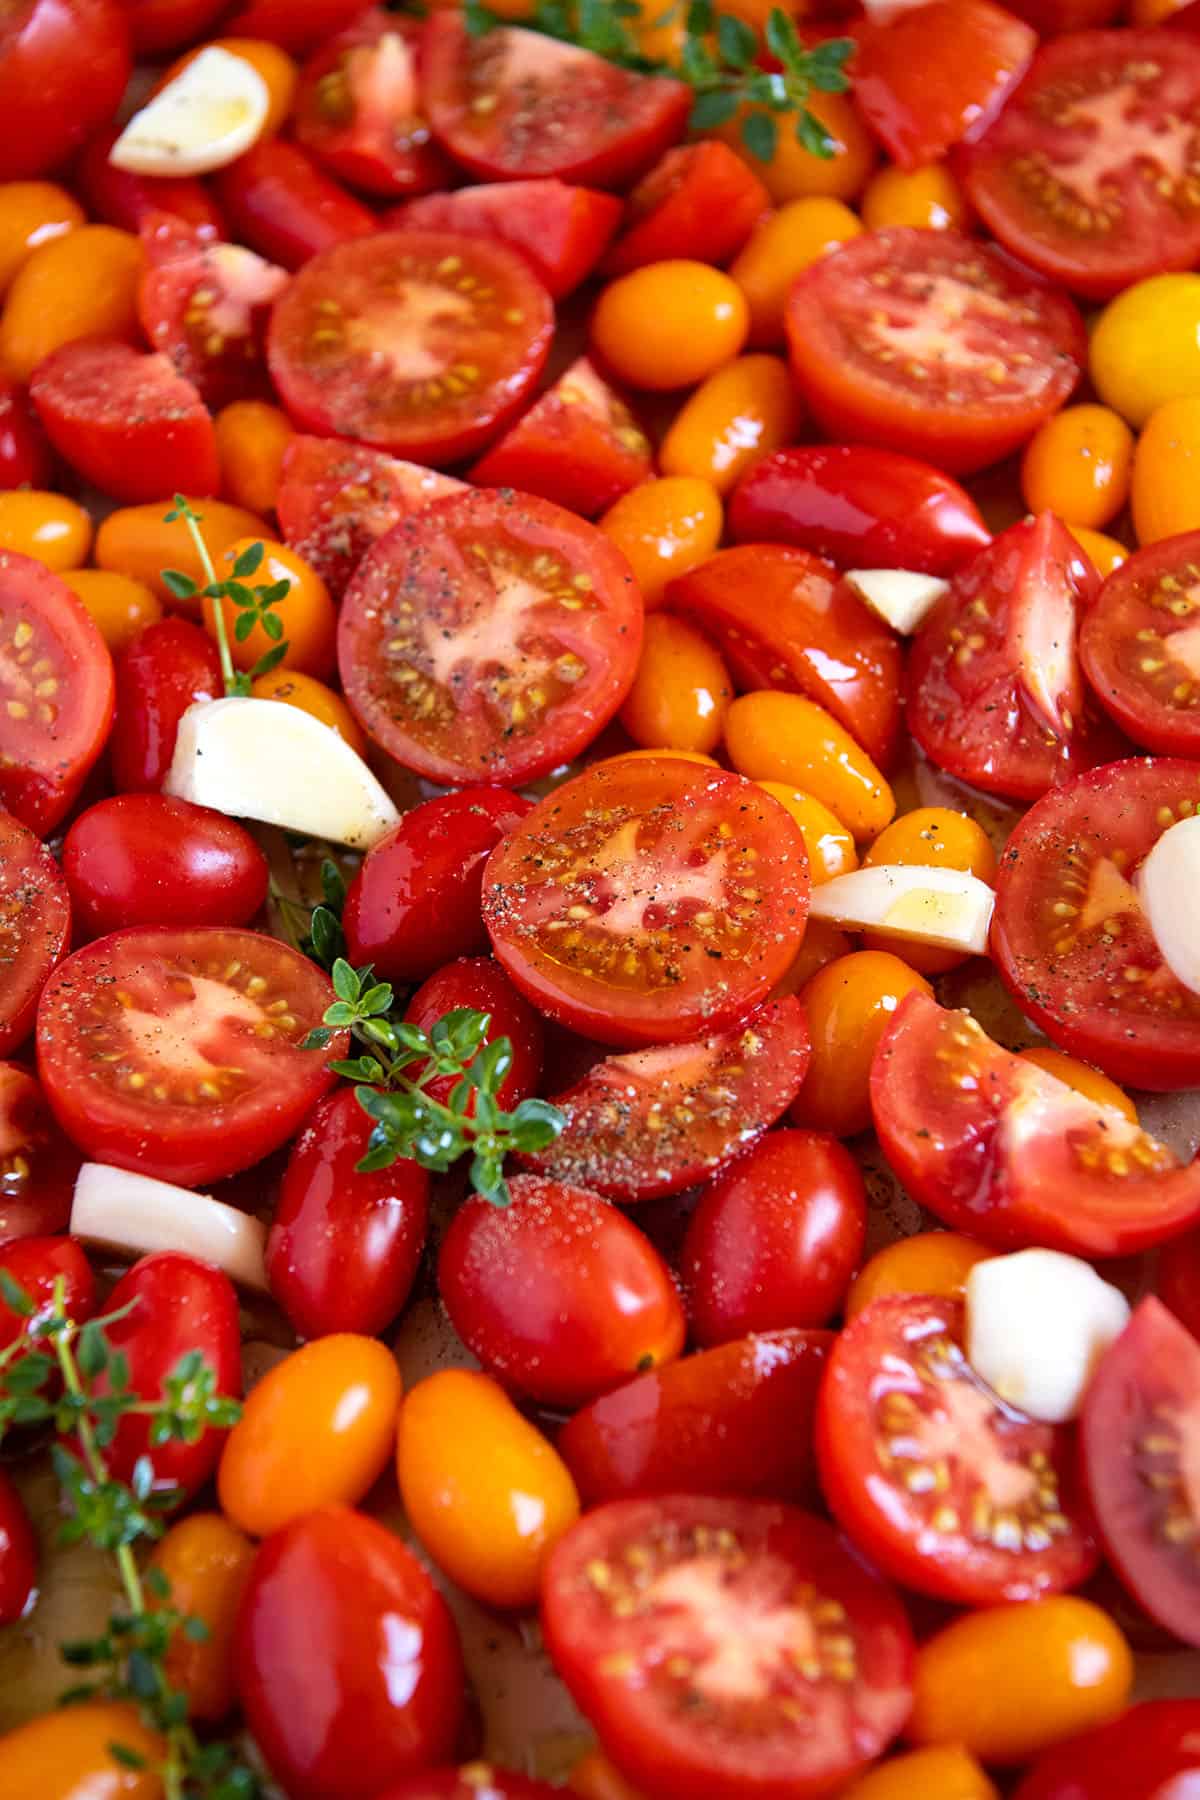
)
(206, 1562)
(700, 200)
(474, 1781)
(942, 1485)
(65, 1755)
(1152, 1744)
(177, 1053)
(578, 445)
(648, 1607)
(18, 1554)
(38, 1165)
(166, 669)
(478, 982)
(281, 204)
(35, 925)
(38, 1265)
(359, 112)
(1140, 654)
(119, 197)
(24, 452)
(149, 859)
(63, 69)
(561, 231)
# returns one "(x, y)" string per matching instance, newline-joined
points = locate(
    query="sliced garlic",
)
(1037, 1324)
(901, 597)
(207, 117)
(944, 908)
(136, 1213)
(1167, 885)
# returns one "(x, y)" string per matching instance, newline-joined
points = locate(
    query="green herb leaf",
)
(759, 134)
(175, 581)
(714, 108)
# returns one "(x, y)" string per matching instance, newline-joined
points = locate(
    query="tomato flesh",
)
(204, 305)
(560, 230)
(35, 925)
(1141, 657)
(701, 201)
(38, 1165)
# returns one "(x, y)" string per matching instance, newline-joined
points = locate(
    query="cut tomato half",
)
(579, 445)
(561, 231)
(701, 201)
(204, 305)
(1140, 646)
(38, 1165)
(35, 926)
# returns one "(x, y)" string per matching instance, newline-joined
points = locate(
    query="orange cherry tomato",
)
(312, 696)
(780, 248)
(47, 526)
(306, 612)
(823, 943)
(928, 197)
(794, 173)
(137, 541)
(829, 845)
(681, 691)
(670, 324)
(1105, 552)
(740, 414)
(933, 837)
(82, 285)
(485, 1492)
(1009, 1681)
(1165, 490)
(32, 213)
(317, 1431)
(119, 605)
(1078, 465)
(773, 736)
(1153, 12)
(252, 437)
(849, 1004)
(931, 1262)
(206, 1562)
(276, 67)
(65, 1755)
(1081, 1076)
(944, 1772)
(665, 528)
(594, 1778)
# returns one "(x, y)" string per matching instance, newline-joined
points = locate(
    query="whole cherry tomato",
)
(1154, 1746)
(166, 669)
(38, 1265)
(24, 452)
(18, 1553)
(149, 859)
(206, 1561)
(64, 1755)
(478, 982)
(63, 68)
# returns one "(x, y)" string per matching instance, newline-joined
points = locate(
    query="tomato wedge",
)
(418, 342)
(287, 208)
(701, 201)
(38, 1165)
(561, 231)
(931, 343)
(204, 305)
(578, 445)
(1140, 654)
(731, 1648)
(1069, 938)
(35, 925)
(1090, 172)
(177, 1052)
(649, 900)
(946, 1488)
(489, 637)
(656, 1121)
(119, 197)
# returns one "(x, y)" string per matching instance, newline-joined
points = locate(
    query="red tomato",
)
(1178, 1284)
(558, 1294)
(1050, 17)
(649, 899)
(63, 68)
(939, 73)
(489, 637)
(995, 688)
(514, 104)
(775, 1239)
(931, 343)
(1152, 1745)
(160, 25)
(1140, 656)
(119, 197)
(657, 1121)
(35, 925)
(862, 508)
(416, 900)
(149, 859)
(782, 619)
(706, 1424)
(37, 1164)
(1085, 174)
(1069, 938)
(164, 1050)
(561, 231)
(18, 1554)
(280, 203)
(38, 1265)
(204, 305)
(126, 421)
(24, 453)
(1135, 1433)
(347, 1659)
(480, 983)
(59, 688)
(358, 111)
(418, 342)
(477, 1781)
(177, 1306)
(936, 1480)
(700, 201)
(167, 668)
(578, 445)
(731, 1648)
(298, 28)
(344, 1247)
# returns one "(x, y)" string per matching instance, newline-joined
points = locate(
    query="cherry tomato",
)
(253, 437)
(849, 1004)
(740, 415)
(928, 195)
(166, 669)
(32, 213)
(292, 688)
(578, 445)
(140, 541)
(561, 231)
(63, 68)
(930, 1262)
(1143, 352)
(158, 25)
(47, 526)
(281, 204)
(827, 844)
(358, 109)
(18, 1554)
(385, 1694)
(664, 528)
(206, 1562)
(295, 28)
(24, 452)
(478, 982)
(681, 690)
(120, 197)
(774, 736)
(474, 1781)
(794, 172)
(119, 606)
(1165, 462)
(38, 1165)
(593, 1777)
(700, 200)
(148, 859)
(1135, 647)
(1152, 1744)
(37, 1265)
(670, 324)
(1077, 465)
(305, 611)
(203, 304)
(780, 247)
(1178, 1284)
(83, 285)
(943, 1772)
(36, 914)
(938, 837)
(1082, 1077)
(65, 1755)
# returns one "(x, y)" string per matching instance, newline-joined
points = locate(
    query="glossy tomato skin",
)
(478, 982)
(1141, 676)
(149, 859)
(562, 231)
(343, 1248)
(477, 1781)
(357, 109)
(1178, 1283)
(861, 507)
(38, 1164)
(119, 197)
(295, 28)
(37, 1264)
(1152, 1744)
(24, 453)
(279, 202)
(161, 25)
(168, 667)
(578, 446)
(415, 903)
(18, 1554)
(700, 201)
(63, 68)
(37, 927)
(385, 1694)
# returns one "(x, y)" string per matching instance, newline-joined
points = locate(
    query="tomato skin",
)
(357, 109)
(561, 231)
(25, 459)
(64, 1755)
(343, 1247)
(1178, 1284)
(415, 903)
(168, 667)
(480, 983)
(18, 1554)
(295, 28)
(38, 1165)
(149, 859)
(37, 908)
(1150, 1743)
(280, 203)
(206, 1562)
(63, 69)
(701, 200)
(119, 197)
(36, 1264)
(1125, 647)
(384, 1695)
(578, 446)
(862, 508)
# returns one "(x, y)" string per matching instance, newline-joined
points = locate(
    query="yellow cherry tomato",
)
(1009, 1681)
(206, 1562)
(1091, 1083)
(137, 541)
(306, 612)
(930, 837)
(1165, 492)
(1145, 349)
(485, 1492)
(47, 526)
(823, 943)
(740, 414)
(681, 691)
(928, 197)
(931, 1262)
(943, 1772)
(781, 246)
(1104, 553)
(794, 173)
(670, 324)
(65, 1755)
(665, 528)
(32, 213)
(317, 1430)
(1078, 465)
(119, 605)
(82, 285)
(829, 845)
(849, 1004)
(692, 756)
(312, 696)
(773, 736)
(252, 436)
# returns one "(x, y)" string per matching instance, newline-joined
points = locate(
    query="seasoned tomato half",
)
(38, 1165)
(35, 925)
(649, 900)
(204, 305)
(489, 637)
(1140, 646)
(942, 1484)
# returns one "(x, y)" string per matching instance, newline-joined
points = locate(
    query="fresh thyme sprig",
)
(254, 604)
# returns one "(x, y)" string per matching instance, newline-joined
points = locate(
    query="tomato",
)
(781, 245)
(63, 68)
(928, 195)
(32, 213)
(1178, 1284)
(705, 1424)
(416, 900)
(664, 527)
(558, 1294)
(203, 304)
(862, 508)
(38, 1165)
(1078, 465)
(83, 285)
(782, 619)
(940, 1483)
(18, 1554)
(343, 1247)
(64, 1755)
(700, 200)
(35, 911)
(158, 25)
(489, 637)
(995, 689)
(578, 445)
(206, 1563)
(296, 28)
(24, 452)
(474, 1781)
(1138, 659)
(932, 344)
(514, 104)
(741, 414)
(561, 231)
(929, 77)
(166, 669)
(141, 541)
(1069, 938)
(480, 983)
(126, 421)
(253, 437)
(385, 1693)
(1152, 1744)
(38, 1265)
(934, 837)
(649, 900)
(357, 108)
(1086, 173)
(681, 691)
(59, 683)
(670, 324)
(119, 197)
(45, 525)
(149, 859)
(775, 1239)
(136, 1039)
(929, 1262)
(305, 612)
(648, 1609)
(279, 202)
